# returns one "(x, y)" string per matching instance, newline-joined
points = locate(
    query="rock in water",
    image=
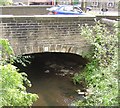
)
(47, 71)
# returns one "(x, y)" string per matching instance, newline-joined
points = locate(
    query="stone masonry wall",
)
(34, 34)
(24, 10)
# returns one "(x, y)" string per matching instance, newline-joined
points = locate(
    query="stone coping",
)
(82, 16)
(47, 16)
(52, 17)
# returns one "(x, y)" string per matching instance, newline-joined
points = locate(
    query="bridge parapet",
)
(43, 33)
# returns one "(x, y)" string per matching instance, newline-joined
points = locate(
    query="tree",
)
(13, 92)
(5, 2)
(83, 5)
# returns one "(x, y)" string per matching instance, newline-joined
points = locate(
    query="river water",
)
(51, 77)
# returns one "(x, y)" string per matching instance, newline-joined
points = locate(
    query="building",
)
(93, 3)
(107, 3)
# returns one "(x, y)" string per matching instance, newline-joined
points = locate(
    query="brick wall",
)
(33, 34)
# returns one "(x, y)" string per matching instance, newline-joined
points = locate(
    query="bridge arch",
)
(79, 50)
(35, 34)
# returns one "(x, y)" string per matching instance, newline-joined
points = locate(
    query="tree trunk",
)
(83, 5)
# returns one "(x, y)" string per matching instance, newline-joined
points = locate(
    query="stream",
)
(51, 77)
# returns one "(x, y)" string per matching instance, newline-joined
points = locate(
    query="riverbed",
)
(51, 78)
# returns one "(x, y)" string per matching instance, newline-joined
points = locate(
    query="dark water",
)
(51, 77)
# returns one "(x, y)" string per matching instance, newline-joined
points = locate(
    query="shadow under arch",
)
(51, 74)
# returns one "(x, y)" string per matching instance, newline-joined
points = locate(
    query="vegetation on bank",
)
(101, 73)
(5, 2)
(12, 89)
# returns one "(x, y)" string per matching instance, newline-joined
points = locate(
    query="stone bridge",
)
(43, 33)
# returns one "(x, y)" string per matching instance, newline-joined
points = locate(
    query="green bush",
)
(101, 74)
(5, 2)
(12, 89)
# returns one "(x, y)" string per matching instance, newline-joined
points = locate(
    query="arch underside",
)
(79, 50)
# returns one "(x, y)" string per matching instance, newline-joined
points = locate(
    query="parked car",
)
(89, 8)
(19, 4)
(53, 8)
(66, 10)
